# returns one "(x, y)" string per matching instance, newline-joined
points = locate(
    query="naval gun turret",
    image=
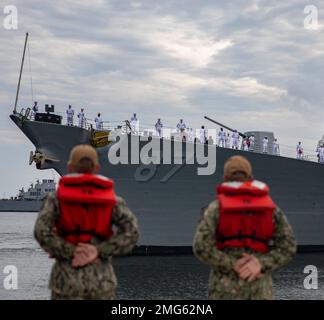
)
(258, 137)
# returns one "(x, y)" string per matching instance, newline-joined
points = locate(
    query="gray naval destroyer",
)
(30, 200)
(168, 198)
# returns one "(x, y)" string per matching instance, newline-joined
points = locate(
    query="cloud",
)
(252, 64)
(184, 41)
(241, 87)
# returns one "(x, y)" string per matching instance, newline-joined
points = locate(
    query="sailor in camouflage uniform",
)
(237, 270)
(84, 270)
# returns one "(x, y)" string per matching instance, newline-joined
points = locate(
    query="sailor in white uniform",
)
(69, 115)
(202, 134)
(82, 118)
(99, 122)
(181, 126)
(134, 123)
(251, 139)
(190, 134)
(275, 147)
(299, 150)
(228, 141)
(321, 154)
(158, 128)
(235, 139)
(265, 142)
(221, 138)
(245, 144)
(34, 110)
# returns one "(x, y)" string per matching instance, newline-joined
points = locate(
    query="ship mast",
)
(21, 70)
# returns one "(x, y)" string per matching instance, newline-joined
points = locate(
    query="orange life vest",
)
(86, 203)
(245, 216)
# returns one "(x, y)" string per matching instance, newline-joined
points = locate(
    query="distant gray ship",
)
(30, 200)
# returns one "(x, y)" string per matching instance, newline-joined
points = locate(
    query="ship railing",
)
(89, 123)
(173, 133)
(147, 130)
(291, 152)
(167, 132)
(25, 114)
(108, 126)
(286, 151)
(142, 130)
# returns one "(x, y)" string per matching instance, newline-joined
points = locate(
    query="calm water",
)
(155, 277)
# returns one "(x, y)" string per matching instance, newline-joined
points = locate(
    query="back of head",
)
(83, 159)
(237, 168)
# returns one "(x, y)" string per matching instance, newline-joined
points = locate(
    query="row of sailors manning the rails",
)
(225, 140)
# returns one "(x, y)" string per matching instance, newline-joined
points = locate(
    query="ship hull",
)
(20, 205)
(168, 211)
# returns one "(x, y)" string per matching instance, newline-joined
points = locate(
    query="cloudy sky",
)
(249, 64)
